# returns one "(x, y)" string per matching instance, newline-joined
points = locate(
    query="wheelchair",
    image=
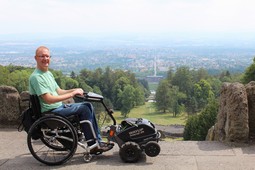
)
(53, 139)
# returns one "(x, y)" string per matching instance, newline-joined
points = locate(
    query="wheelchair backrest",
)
(36, 108)
(35, 105)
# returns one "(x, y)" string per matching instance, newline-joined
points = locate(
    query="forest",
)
(194, 92)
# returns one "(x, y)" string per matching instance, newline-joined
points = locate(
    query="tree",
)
(107, 84)
(191, 105)
(83, 85)
(139, 96)
(127, 100)
(183, 79)
(175, 100)
(163, 96)
(202, 93)
(86, 75)
(225, 76)
(96, 78)
(70, 83)
(59, 77)
(249, 74)
(4, 74)
(73, 75)
(98, 106)
(200, 74)
(19, 79)
(145, 85)
(170, 74)
(216, 85)
(197, 126)
(118, 88)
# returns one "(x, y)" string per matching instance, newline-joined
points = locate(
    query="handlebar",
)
(93, 97)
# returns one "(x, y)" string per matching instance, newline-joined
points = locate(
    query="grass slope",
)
(149, 112)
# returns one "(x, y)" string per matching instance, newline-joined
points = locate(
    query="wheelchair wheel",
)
(52, 140)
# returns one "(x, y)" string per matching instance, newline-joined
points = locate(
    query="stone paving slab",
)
(178, 155)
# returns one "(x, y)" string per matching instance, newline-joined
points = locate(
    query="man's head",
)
(42, 57)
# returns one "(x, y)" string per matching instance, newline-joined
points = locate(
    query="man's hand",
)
(77, 92)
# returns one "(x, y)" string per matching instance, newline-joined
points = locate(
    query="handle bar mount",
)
(93, 97)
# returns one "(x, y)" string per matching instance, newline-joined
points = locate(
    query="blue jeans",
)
(85, 111)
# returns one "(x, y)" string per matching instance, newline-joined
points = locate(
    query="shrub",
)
(197, 126)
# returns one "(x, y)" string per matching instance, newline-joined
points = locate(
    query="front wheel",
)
(130, 152)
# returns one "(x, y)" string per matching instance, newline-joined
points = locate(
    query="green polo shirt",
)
(43, 82)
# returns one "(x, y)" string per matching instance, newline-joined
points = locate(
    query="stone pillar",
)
(232, 121)
(250, 89)
(9, 105)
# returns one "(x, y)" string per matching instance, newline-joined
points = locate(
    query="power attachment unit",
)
(135, 135)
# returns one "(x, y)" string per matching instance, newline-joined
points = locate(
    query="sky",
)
(147, 17)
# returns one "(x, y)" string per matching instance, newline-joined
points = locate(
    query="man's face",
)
(43, 59)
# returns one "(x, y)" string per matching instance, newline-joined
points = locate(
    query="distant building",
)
(154, 78)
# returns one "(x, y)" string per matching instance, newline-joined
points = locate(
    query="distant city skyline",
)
(53, 18)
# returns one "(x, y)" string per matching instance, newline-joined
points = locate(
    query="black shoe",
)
(96, 151)
(100, 150)
(103, 147)
(106, 144)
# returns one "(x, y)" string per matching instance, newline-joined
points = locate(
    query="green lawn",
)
(153, 86)
(148, 111)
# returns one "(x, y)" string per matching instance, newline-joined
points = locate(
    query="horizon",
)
(98, 41)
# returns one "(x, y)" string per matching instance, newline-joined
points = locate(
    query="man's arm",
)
(77, 91)
(62, 95)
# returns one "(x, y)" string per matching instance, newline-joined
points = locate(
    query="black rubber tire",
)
(130, 152)
(152, 149)
(59, 130)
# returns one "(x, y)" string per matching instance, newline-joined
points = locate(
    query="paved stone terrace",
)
(178, 155)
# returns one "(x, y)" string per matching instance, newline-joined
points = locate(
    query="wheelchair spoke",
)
(55, 145)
